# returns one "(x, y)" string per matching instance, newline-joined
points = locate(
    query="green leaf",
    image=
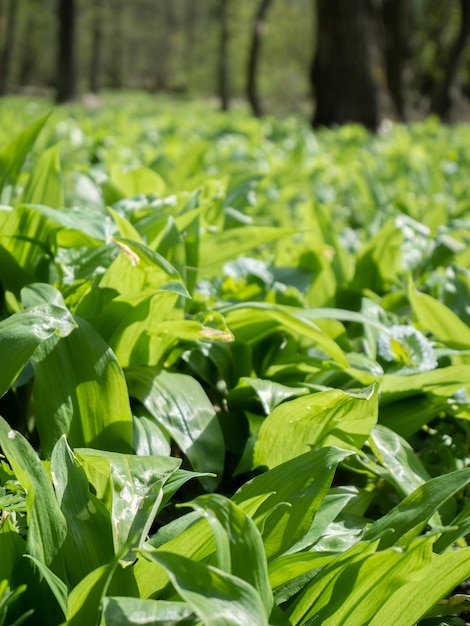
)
(84, 601)
(438, 319)
(408, 518)
(321, 419)
(446, 571)
(239, 546)
(88, 521)
(180, 405)
(252, 321)
(215, 248)
(129, 611)
(136, 485)
(218, 598)
(56, 585)
(45, 185)
(46, 524)
(80, 391)
(23, 332)
(13, 155)
(12, 547)
(125, 184)
(294, 491)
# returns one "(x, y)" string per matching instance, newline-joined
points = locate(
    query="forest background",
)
(404, 58)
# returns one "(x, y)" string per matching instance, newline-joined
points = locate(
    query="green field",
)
(235, 365)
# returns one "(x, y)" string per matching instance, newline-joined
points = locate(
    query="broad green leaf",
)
(129, 611)
(27, 243)
(136, 486)
(287, 573)
(321, 419)
(295, 491)
(438, 319)
(305, 605)
(88, 521)
(12, 547)
(44, 184)
(23, 332)
(80, 391)
(405, 469)
(442, 382)
(179, 404)
(457, 528)
(218, 598)
(137, 269)
(134, 181)
(215, 248)
(266, 393)
(252, 321)
(409, 518)
(125, 228)
(446, 571)
(13, 155)
(84, 601)
(239, 546)
(379, 263)
(56, 584)
(46, 524)
(356, 591)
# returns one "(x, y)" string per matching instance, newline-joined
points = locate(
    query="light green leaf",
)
(239, 546)
(252, 321)
(404, 467)
(44, 184)
(56, 585)
(46, 524)
(409, 518)
(80, 391)
(218, 598)
(179, 404)
(13, 155)
(295, 491)
(446, 571)
(215, 248)
(136, 485)
(23, 332)
(88, 521)
(321, 419)
(129, 611)
(438, 319)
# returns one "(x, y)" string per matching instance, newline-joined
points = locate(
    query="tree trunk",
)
(223, 57)
(116, 69)
(66, 75)
(97, 46)
(10, 27)
(165, 50)
(395, 27)
(259, 28)
(444, 97)
(344, 81)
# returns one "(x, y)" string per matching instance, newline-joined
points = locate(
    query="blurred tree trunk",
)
(165, 50)
(345, 82)
(116, 68)
(66, 75)
(8, 22)
(444, 97)
(28, 53)
(223, 56)
(259, 28)
(97, 46)
(395, 14)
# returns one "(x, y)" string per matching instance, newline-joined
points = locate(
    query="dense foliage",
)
(235, 369)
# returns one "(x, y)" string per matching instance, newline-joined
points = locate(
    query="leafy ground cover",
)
(235, 369)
